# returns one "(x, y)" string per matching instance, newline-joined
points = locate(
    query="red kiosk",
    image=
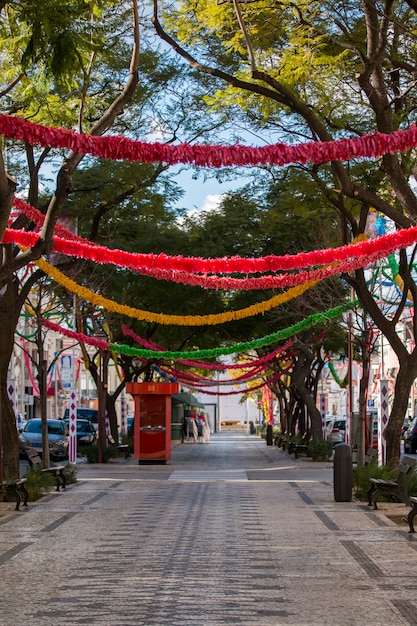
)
(152, 425)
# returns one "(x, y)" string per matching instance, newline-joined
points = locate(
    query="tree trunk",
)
(299, 377)
(363, 395)
(406, 374)
(8, 418)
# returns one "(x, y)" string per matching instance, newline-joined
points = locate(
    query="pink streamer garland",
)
(97, 343)
(122, 148)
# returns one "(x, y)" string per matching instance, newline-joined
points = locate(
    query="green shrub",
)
(412, 485)
(38, 483)
(91, 453)
(70, 472)
(362, 474)
(320, 449)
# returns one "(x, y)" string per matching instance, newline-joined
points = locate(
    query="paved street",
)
(229, 532)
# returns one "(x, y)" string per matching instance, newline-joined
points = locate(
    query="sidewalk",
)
(229, 532)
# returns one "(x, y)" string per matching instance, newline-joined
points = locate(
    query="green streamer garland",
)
(30, 336)
(342, 383)
(311, 320)
(393, 265)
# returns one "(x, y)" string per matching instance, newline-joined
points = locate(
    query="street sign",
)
(66, 371)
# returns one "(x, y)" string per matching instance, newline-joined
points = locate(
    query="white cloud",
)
(211, 202)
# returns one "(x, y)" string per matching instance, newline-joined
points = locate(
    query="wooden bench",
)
(397, 489)
(17, 489)
(299, 447)
(278, 439)
(123, 448)
(285, 441)
(410, 517)
(57, 471)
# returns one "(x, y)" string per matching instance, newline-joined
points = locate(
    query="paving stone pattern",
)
(229, 532)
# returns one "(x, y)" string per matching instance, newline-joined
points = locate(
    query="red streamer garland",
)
(162, 265)
(122, 148)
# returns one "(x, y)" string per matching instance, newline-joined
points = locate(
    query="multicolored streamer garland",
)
(121, 148)
(315, 318)
(202, 364)
(177, 320)
(240, 391)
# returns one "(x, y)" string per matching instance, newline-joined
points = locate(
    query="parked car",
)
(86, 414)
(410, 438)
(86, 433)
(337, 431)
(31, 437)
(20, 422)
(406, 425)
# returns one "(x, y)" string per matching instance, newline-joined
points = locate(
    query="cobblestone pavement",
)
(229, 532)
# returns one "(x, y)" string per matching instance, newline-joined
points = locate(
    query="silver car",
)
(58, 438)
(336, 431)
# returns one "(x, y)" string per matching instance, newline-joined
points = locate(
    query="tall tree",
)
(62, 47)
(263, 219)
(320, 71)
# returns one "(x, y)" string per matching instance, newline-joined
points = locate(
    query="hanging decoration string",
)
(206, 155)
(36, 390)
(194, 378)
(368, 250)
(342, 383)
(213, 353)
(176, 320)
(29, 336)
(202, 364)
(262, 384)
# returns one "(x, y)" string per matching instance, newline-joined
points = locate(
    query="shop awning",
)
(187, 398)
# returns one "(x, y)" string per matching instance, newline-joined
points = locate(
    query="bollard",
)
(269, 435)
(342, 473)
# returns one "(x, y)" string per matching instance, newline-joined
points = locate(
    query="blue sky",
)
(200, 193)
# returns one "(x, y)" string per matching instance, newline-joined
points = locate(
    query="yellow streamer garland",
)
(176, 320)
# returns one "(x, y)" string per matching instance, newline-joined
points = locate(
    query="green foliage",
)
(70, 472)
(38, 483)
(362, 474)
(57, 37)
(91, 453)
(320, 449)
